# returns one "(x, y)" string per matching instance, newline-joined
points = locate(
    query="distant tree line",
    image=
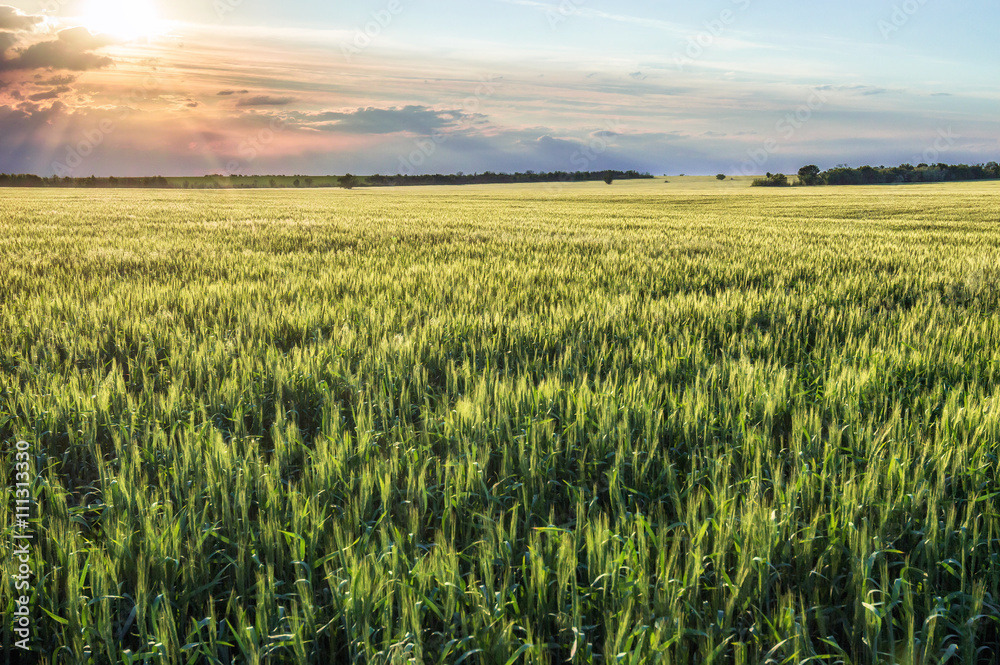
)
(883, 175)
(347, 181)
(490, 178)
(29, 180)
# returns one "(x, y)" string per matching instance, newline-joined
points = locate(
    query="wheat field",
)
(656, 422)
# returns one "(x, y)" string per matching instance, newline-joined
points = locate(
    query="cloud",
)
(7, 39)
(55, 80)
(49, 94)
(863, 90)
(265, 100)
(12, 19)
(414, 119)
(227, 93)
(70, 51)
(82, 38)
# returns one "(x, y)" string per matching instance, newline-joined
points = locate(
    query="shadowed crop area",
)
(645, 423)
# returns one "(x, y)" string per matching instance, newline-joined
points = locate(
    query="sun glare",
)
(128, 20)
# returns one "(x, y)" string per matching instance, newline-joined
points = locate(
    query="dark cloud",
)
(54, 93)
(55, 80)
(522, 149)
(550, 144)
(415, 119)
(70, 51)
(265, 100)
(638, 76)
(12, 19)
(227, 93)
(7, 39)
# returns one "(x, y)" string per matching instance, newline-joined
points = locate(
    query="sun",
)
(127, 20)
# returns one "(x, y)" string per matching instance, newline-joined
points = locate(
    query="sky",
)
(194, 87)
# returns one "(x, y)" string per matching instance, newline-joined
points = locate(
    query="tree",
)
(771, 180)
(609, 178)
(348, 181)
(296, 182)
(809, 175)
(721, 176)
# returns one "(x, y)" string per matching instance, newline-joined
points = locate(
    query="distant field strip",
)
(645, 423)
